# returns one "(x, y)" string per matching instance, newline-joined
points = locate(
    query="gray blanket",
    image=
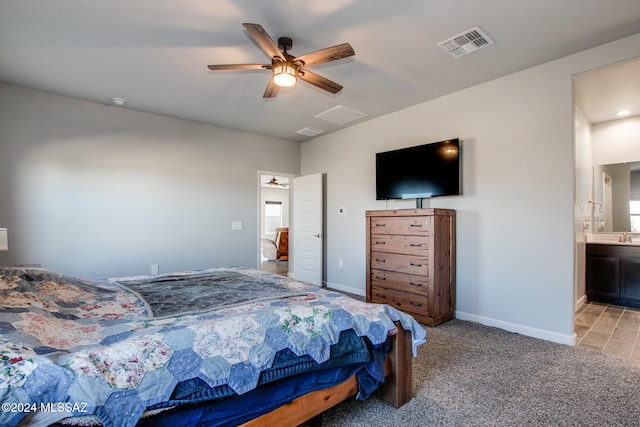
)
(173, 294)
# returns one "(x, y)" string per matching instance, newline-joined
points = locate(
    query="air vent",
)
(465, 43)
(309, 131)
(341, 115)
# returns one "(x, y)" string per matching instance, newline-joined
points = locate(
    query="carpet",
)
(468, 374)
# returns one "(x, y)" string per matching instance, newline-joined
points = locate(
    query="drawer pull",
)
(381, 278)
(381, 243)
(415, 225)
(381, 260)
(413, 264)
(381, 295)
(415, 284)
(415, 245)
(415, 304)
(381, 225)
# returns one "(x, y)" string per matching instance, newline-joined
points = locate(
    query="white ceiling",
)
(153, 53)
(603, 92)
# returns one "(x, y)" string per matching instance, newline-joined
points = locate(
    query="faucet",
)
(624, 238)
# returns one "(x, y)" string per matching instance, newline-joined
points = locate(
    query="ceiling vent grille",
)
(340, 115)
(466, 42)
(309, 131)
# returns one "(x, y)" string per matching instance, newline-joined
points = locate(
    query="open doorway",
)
(607, 128)
(274, 203)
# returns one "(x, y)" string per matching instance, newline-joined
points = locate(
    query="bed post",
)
(396, 390)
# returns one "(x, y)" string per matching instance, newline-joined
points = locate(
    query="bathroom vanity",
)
(613, 273)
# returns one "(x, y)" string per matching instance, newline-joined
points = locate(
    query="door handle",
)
(317, 235)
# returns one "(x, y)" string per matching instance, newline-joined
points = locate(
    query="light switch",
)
(236, 225)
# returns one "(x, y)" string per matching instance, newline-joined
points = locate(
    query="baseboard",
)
(520, 329)
(581, 301)
(347, 289)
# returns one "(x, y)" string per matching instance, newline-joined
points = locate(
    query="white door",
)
(307, 229)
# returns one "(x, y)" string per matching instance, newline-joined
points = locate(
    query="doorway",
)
(273, 216)
(604, 135)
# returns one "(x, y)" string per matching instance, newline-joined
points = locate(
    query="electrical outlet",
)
(340, 263)
(155, 269)
(342, 210)
(236, 225)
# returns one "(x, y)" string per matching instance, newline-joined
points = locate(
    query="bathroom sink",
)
(612, 239)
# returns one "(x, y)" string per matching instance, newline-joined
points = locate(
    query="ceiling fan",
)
(273, 182)
(286, 69)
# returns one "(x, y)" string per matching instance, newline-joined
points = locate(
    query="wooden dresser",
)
(411, 262)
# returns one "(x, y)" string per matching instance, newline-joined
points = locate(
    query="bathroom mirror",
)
(616, 194)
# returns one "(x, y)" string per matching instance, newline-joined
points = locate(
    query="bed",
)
(223, 346)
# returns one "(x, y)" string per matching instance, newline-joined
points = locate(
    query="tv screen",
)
(429, 170)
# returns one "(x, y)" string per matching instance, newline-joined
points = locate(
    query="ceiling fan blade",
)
(262, 38)
(272, 90)
(328, 54)
(239, 67)
(319, 81)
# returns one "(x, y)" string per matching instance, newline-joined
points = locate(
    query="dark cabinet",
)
(613, 274)
(630, 278)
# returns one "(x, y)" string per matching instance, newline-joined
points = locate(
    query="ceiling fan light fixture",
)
(286, 68)
(284, 74)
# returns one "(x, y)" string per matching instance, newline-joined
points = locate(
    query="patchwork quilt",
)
(113, 348)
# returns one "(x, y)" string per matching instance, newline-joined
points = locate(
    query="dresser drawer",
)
(404, 301)
(400, 281)
(400, 225)
(414, 245)
(411, 264)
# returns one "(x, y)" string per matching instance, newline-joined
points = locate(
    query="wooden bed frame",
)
(396, 390)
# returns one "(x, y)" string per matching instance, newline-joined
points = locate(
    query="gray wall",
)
(98, 191)
(515, 240)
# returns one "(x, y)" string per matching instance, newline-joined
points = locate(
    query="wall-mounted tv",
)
(423, 171)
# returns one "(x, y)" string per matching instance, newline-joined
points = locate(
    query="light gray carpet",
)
(472, 375)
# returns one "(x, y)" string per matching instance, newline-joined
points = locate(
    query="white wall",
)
(97, 191)
(617, 141)
(515, 242)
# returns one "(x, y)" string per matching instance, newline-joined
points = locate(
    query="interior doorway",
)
(274, 214)
(604, 135)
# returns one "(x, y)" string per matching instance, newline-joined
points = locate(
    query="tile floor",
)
(610, 329)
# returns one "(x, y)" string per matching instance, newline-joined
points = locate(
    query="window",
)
(272, 217)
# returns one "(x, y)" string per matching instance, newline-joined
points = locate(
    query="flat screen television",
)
(429, 170)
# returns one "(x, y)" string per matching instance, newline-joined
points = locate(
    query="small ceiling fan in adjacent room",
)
(273, 182)
(285, 68)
